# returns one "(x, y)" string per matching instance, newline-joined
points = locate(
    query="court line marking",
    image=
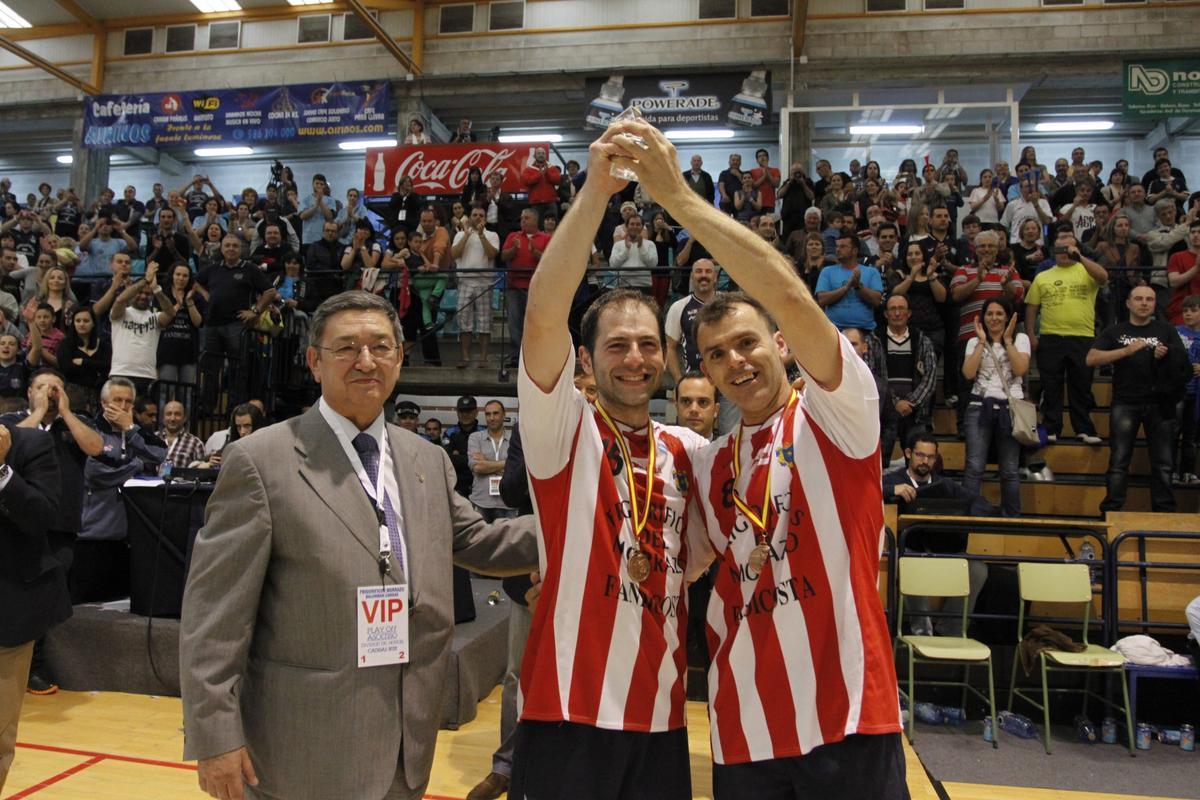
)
(96, 758)
(53, 779)
(107, 756)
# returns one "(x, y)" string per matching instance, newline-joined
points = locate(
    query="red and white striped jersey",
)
(603, 650)
(801, 652)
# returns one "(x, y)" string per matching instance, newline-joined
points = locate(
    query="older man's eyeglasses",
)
(380, 351)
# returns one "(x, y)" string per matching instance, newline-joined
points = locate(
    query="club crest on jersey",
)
(786, 455)
(681, 481)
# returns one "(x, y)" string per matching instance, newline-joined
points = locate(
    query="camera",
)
(1061, 250)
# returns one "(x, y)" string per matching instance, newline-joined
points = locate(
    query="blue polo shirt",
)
(850, 311)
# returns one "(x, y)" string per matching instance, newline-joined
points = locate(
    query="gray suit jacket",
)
(268, 639)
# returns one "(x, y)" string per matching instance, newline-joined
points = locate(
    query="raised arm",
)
(761, 270)
(547, 341)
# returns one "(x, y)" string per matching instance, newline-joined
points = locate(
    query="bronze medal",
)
(759, 556)
(638, 567)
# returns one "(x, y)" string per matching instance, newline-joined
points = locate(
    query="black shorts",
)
(860, 767)
(567, 761)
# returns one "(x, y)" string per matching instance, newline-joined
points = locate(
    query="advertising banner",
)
(225, 117)
(1162, 87)
(443, 168)
(721, 100)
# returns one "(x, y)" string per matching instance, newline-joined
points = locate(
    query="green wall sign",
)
(1167, 87)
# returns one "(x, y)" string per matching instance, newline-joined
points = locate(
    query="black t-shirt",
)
(25, 242)
(270, 259)
(732, 184)
(179, 342)
(688, 346)
(196, 198)
(1136, 378)
(122, 210)
(67, 222)
(231, 289)
(90, 371)
(14, 379)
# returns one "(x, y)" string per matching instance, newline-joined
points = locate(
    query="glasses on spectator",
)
(381, 351)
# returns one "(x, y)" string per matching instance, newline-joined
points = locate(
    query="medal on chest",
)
(639, 564)
(760, 554)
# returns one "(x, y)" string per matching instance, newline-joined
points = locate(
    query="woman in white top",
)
(987, 199)
(996, 359)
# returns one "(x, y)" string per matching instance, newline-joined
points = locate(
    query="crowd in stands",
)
(200, 298)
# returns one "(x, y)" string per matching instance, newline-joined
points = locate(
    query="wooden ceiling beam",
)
(406, 61)
(41, 63)
(799, 26)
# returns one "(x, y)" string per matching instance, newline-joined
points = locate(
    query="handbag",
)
(1022, 413)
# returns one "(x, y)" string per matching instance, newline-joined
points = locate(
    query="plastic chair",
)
(1066, 583)
(941, 577)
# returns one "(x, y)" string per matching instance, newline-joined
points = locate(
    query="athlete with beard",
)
(602, 681)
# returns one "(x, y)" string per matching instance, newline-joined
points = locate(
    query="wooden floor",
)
(108, 746)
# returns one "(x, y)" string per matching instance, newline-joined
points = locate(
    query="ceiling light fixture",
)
(307, 2)
(11, 19)
(216, 6)
(885, 130)
(692, 134)
(517, 138)
(218, 152)
(1074, 126)
(65, 159)
(365, 144)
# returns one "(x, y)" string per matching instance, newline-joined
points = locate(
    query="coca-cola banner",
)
(443, 168)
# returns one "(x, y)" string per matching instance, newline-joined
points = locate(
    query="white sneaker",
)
(1090, 438)
(1045, 474)
(1051, 437)
(1191, 478)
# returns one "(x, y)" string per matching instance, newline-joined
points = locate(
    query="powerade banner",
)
(722, 100)
(237, 116)
(1165, 87)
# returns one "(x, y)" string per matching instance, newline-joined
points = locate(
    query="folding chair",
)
(941, 577)
(1066, 583)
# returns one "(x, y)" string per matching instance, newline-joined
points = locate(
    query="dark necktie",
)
(368, 452)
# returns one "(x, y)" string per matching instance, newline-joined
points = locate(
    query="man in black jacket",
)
(33, 586)
(75, 438)
(920, 478)
(467, 409)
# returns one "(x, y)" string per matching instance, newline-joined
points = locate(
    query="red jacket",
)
(542, 184)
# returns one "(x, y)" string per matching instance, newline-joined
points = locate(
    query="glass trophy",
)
(619, 170)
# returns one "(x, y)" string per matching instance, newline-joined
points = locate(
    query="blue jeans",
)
(1124, 420)
(516, 299)
(981, 430)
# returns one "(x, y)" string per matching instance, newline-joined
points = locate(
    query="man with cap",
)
(457, 435)
(407, 414)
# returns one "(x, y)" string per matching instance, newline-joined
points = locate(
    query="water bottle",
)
(1168, 735)
(1087, 552)
(1108, 731)
(1187, 737)
(953, 716)
(493, 598)
(989, 733)
(164, 470)
(929, 713)
(1017, 724)
(1085, 729)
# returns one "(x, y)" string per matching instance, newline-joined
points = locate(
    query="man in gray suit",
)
(310, 519)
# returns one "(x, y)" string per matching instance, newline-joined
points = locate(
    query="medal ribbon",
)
(638, 519)
(759, 522)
